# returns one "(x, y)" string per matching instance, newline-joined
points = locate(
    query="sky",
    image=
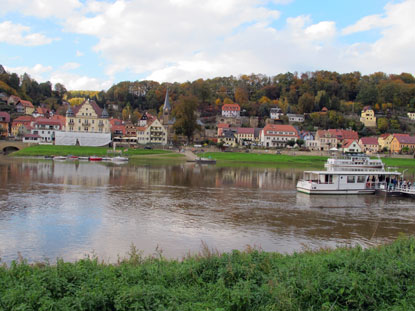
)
(91, 45)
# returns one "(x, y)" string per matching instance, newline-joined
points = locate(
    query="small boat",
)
(83, 158)
(59, 158)
(205, 161)
(119, 159)
(72, 157)
(106, 159)
(95, 158)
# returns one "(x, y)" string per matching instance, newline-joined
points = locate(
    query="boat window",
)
(361, 179)
(350, 179)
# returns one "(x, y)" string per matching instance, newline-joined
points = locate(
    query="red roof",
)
(116, 122)
(231, 107)
(26, 103)
(406, 139)
(24, 119)
(348, 142)
(343, 134)
(245, 130)
(118, 128)
(369, 141)
(46, 121)
(279, 128)
(384, 136)
(4, 117)
(223, 125)
(94, 105)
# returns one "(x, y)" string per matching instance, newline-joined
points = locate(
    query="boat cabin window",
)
(326, 179)
(361, 179)
(350, 179)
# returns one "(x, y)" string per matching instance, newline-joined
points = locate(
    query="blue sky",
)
(94, 44)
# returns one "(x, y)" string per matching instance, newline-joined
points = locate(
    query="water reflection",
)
(68, 209)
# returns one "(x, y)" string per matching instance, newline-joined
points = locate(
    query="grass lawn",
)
(379, 278)
(49, 150)
(399, 162)
(274, 159)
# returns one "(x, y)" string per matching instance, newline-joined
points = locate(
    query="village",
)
(88, 124)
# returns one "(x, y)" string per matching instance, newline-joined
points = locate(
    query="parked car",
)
(148, 147)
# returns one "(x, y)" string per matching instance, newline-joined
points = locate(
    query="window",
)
(350, 179)
(361, 179)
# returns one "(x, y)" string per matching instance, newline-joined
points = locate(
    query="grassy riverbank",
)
(49, 150)
(264, 158)
(380, 278)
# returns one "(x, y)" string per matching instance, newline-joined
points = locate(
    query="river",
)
(69, 210)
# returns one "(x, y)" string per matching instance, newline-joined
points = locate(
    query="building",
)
(86, 124)
(4, 124)
(231, 111)
(228, 138)
(400, 142)
(411, 116)
(25, 106)
(277, 135)
(367, 117)
(326, 140)
(295, 118)
(384, 141)
(41, 112)
(369, 145)
(222, 127)
(21, 125)
(245, 135)
(45, 129)
(276, 113)
(351, 146)
(151, 132)
(31, 138)
(342, 135)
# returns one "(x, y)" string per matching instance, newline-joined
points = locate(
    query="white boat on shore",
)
(119, 159)
(353, 175)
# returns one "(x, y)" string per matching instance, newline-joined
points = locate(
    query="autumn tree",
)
(186, 119)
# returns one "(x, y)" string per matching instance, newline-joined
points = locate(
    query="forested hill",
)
(305, 93)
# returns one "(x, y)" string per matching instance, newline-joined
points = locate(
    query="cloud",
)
(41, 8)
(79, 53)
(394, 50)
(17, 34)
(36, 72)
(70, 66)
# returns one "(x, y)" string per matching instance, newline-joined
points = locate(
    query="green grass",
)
(380, 278)
(49, 150)
(399, 162)
(272, 158)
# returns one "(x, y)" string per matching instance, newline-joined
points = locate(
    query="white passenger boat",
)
(361, 175)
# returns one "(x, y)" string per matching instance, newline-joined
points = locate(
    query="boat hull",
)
(335, 191)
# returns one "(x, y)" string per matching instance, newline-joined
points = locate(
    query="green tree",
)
(306, 103)
(186, 119)
(383, 124)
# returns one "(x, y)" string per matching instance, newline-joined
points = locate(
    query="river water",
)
(51, 209)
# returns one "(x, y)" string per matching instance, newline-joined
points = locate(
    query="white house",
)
(277, 135)
(351, 146)
(45, 129)
(153, 132)
(231, 111)
(276, 113)
(295, 118)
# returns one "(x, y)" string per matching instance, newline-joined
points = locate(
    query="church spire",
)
(167, 106)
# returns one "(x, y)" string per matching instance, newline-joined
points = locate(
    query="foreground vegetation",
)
(380, 278)
(51, 150)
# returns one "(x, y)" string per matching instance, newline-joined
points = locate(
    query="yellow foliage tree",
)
(76, 101)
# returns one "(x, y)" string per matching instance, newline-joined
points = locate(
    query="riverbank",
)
(52, 150)
(379, 278)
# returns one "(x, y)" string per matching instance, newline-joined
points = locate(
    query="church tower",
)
(166, 109)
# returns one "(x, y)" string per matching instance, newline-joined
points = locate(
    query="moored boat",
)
(95, 158)
(119, 159)
(351, 175)
(59, 158)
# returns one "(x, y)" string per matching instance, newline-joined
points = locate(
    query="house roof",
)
(384, 136)
(4, 117)
(23, 119)
(245, 130)
(231, 107)
(365, 108)
(406, 139)
(167, 106)
(46, 121)
(279, 128)
(26, 103)
(94, 105)
(118, 128)
(348, 142)
(369, 140)
(116, 122)
(223, 125)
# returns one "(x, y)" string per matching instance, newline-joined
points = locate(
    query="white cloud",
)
(17, 34)
(79, 53)
(70, 66)
(36, 72)
(366, 23)
(41, 8)
(79, 82)
(394, 50)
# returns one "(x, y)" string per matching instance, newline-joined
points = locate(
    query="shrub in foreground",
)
(380, 278)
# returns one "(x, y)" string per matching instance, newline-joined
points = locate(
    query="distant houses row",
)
(90, 125)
